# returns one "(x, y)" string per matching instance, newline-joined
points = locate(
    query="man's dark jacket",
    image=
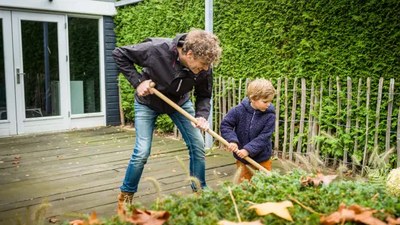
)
(251, 129)
(158, 58)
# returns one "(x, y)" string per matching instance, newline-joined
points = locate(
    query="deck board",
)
(81, 171)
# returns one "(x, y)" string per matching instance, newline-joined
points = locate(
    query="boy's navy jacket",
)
(251, 129)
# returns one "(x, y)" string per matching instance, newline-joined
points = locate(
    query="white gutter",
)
(126, 2)
(66, 6)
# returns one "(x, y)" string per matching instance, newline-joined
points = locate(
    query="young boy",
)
(248, 127)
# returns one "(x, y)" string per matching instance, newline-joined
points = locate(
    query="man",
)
(177, 66)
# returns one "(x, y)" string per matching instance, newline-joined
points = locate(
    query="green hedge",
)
(281, 38)
(317, 39)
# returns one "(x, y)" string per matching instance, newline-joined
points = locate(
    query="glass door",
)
(7, 94)
(40, 72)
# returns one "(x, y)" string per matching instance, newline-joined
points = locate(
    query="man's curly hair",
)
(204, 45)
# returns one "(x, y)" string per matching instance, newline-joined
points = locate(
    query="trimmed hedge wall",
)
(315, 38)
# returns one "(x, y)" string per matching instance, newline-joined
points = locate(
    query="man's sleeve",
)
(127, 57)
(203, 93)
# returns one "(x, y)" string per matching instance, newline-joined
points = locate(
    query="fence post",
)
(302, 114)
(398, 138)
(366, 127)
(348, 119)
(378, 111)
(293, 119)
(277, 114)
(311, 121)
(389, 115)
(286, 119)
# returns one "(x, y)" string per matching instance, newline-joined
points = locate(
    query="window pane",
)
(84, 65)
(3, 103)
(40, 60)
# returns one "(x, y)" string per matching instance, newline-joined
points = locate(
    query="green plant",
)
(164, 124)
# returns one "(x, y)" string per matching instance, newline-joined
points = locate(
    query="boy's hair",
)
(260, 89)
(204, 45)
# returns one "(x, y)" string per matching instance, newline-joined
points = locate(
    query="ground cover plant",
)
(307, 198)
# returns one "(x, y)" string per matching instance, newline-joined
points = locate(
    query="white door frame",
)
(40, 124)
(8, 127)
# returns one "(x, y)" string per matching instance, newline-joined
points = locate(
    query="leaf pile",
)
(212, 207)
(266, 201)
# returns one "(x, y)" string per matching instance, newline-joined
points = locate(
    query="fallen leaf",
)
(318, 180)
(148, 217)
(367, 218)
(338, 217)
(77, 222)
(225, 222)
(354, 213)
(53, 220)
(92, 220)
(277, 208)
(392, 221)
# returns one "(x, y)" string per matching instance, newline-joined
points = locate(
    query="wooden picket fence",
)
(312, 116)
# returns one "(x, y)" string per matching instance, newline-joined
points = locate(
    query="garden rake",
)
(194, 120)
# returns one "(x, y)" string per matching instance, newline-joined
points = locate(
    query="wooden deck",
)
(81, 171)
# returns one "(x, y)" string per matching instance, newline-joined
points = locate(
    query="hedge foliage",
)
(316, 38)
(309, 38)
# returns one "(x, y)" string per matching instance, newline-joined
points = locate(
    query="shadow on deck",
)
(81, 171)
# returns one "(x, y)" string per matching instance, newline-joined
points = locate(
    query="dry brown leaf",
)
(367, 218)
(318, 180)
(148, 217)
(326, 179)
(338, 217)
(277, 208)
(226, 222)
(53, 220)
(91, 221)
(393, 221)
(354, 213)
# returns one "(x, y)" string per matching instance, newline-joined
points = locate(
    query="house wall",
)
(111, 74)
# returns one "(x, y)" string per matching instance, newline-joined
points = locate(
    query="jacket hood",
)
(246, 104)
(178, 37)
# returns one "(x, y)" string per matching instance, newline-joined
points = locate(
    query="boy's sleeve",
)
(228, 125)
(260, 143)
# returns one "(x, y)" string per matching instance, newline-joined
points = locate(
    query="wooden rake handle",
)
(194, 120)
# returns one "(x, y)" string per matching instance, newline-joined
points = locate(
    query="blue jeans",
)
(145, 119)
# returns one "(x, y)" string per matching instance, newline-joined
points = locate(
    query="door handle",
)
(19, 74)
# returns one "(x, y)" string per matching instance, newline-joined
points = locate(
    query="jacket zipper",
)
(251, 121)
(179, 85)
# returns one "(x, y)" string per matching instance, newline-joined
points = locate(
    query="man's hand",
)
(202, 123)
(232, 147)
(144, 88)
(242, 153)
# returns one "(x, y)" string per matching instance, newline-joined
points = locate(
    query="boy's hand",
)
(232, 147)
(242, 153)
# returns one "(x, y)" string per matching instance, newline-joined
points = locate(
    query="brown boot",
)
(125, 198)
